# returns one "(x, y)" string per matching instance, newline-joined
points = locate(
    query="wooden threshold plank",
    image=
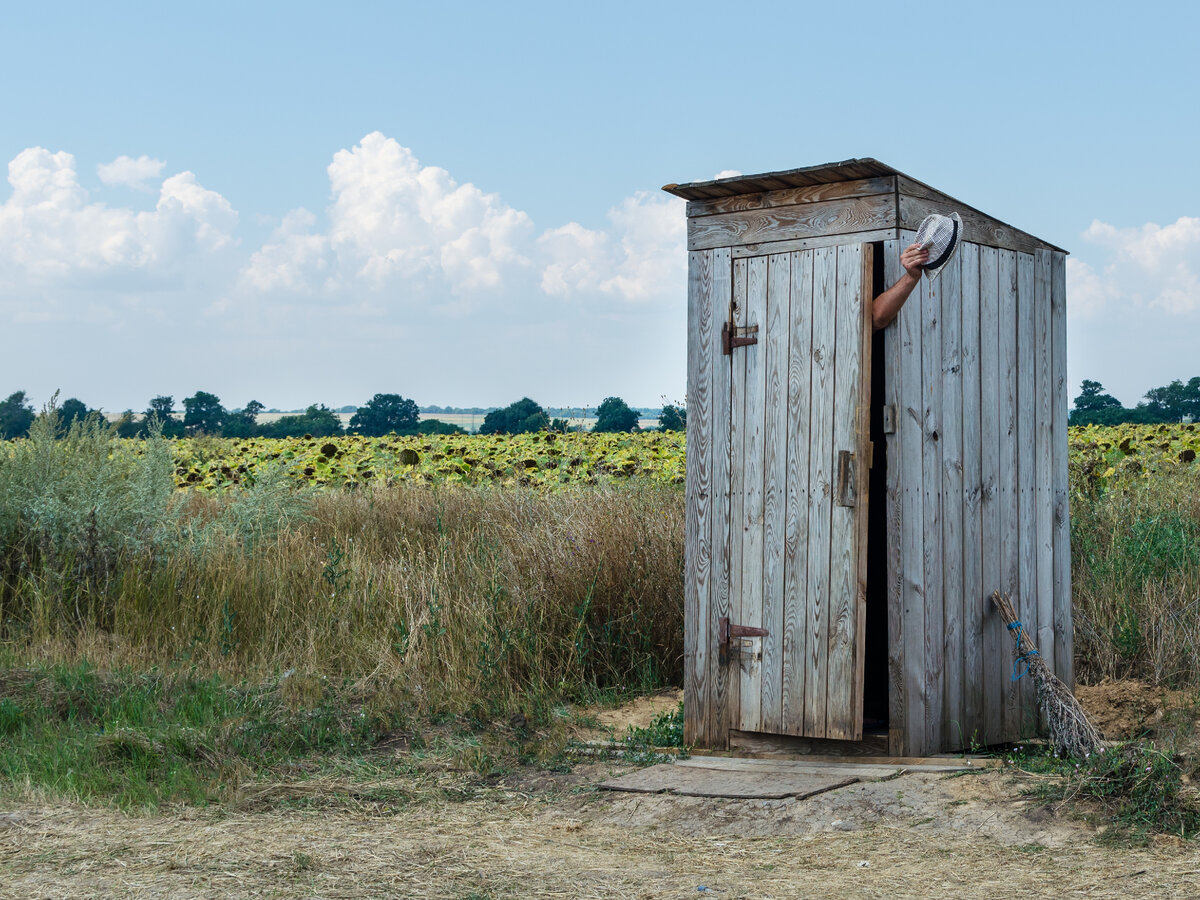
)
(942, 763)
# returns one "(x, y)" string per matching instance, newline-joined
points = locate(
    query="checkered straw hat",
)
(940, 235)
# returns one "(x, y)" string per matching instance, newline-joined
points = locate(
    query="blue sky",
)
(459, 202)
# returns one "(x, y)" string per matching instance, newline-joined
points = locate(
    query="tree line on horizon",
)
(1178, 401)
(383, 414)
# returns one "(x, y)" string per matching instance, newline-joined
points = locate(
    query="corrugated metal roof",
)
(828, 173)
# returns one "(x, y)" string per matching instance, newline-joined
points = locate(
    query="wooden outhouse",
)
(854, 498)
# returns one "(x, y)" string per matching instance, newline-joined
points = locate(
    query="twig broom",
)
(1071, 734)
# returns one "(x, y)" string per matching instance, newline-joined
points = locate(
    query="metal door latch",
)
(737, 336)
(726, 632)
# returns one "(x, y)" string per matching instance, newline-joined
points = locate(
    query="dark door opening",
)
(875, 668)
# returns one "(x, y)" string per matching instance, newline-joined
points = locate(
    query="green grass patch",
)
(1139, 789)
(140, 740)
(664, 731)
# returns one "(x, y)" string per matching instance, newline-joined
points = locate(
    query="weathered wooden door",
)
(799, 451)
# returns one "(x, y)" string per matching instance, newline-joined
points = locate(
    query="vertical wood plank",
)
(751, 524)
(730, 677)
(864, 461)
(1043, 457)
(949, 284)
(843, 720)
(974, 678)
(722, 298)
(1063, 625)
(1027, 607)
(699, 503)
(795, 629)
(991, 389)
(775, 473)
(1010, 524)
(893, 397)
(911, 425)
(931, 413)
(820, 491)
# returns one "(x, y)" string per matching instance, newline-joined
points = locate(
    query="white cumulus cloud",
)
(52, 237)
(396, 234)
(1154, 265)
(129, 172)
(397, 227)
(393, 223)
(640, 257)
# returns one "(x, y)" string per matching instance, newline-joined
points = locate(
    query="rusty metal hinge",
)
(737, 336)
(727, 631)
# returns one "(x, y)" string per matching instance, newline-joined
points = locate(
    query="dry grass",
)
(1136, 579)
(451, 599)
(513, 843)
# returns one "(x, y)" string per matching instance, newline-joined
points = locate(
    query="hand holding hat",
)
(939, 236)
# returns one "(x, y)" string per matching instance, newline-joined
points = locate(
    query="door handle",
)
(846, 488)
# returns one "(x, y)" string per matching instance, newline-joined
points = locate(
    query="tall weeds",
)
(1136, 578)
(457, 600)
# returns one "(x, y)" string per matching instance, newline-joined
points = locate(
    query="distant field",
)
(472, 421)
(469, 421)
(549, 460)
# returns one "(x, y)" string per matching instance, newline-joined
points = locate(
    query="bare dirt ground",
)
(536, 834)
(638, 713)
(444, 833)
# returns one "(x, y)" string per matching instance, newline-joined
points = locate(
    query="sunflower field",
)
(1100, 456)
(544, 459)
(1103, 455)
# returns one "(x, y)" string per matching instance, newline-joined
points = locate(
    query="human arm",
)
(887, 305)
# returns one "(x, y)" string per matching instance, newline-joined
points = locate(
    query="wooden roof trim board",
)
(746, 192)
(814, 193)
(910, 187)
(847, 170)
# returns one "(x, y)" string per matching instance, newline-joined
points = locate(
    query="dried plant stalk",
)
(1071, 733)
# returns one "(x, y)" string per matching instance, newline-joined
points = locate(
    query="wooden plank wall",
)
(977, 494)
(796, 550)
(749, 390)
(851, 430)
(898, 594)
(707, 550)
(1064, 634)
(820, 495)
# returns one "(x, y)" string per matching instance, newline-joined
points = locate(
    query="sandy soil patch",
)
(638, 713)
(1130, 709)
